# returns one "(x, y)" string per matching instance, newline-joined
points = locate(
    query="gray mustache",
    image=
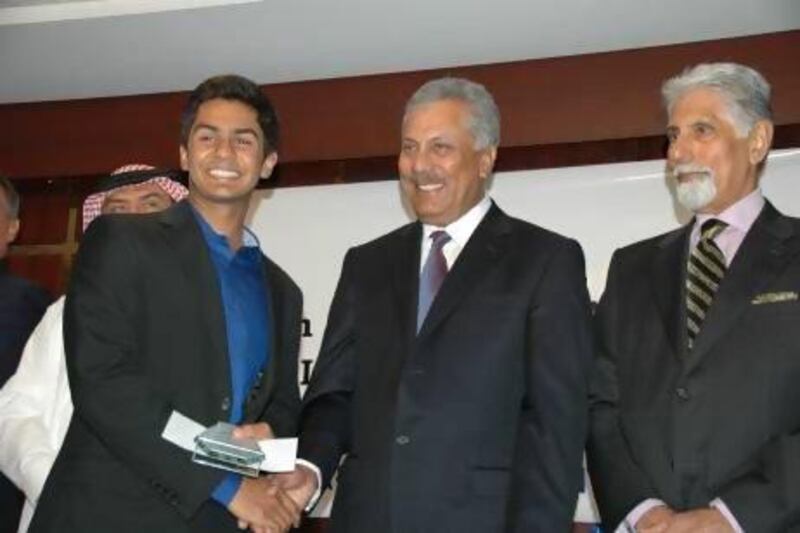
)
(425, 179)
(688, 168)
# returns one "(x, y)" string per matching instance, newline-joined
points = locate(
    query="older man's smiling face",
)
(442, 174)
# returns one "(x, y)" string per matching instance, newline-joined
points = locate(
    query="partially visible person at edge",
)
(35, 403)
(22, 304)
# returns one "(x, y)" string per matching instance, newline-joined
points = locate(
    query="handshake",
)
(272, 503)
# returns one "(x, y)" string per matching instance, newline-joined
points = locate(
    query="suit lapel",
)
(405, 265)
(477, 257)
(763, 254)
(668, 274)
(186, 239)
(276, 318)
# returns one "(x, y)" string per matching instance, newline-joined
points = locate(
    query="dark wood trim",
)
(356, 170)
(559, 101)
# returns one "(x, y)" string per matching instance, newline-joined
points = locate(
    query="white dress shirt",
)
(459, 231)
(35, 410)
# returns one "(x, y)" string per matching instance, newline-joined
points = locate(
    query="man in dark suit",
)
(464, 409)
(22, 304)
(695, 419)
(179, 311)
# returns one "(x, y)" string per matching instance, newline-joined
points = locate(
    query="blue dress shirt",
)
(245, 298)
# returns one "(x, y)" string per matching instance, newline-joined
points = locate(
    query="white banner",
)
(307, 230)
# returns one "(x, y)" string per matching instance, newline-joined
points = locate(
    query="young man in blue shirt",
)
(180, 312)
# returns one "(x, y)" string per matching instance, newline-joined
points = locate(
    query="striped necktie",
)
(432, 275)
(705, 271)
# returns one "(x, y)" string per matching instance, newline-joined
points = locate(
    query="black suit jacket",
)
(477, 423)
(722, 421)
(145, 335)
(22, 305)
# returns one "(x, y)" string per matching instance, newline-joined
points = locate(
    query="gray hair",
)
(484, 120)
(745, 90)
(11, 197)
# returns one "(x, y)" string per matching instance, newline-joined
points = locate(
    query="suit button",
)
(226, 404)
(402, 440)
(682, 393)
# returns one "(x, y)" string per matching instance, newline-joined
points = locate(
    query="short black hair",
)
(11, 197)
(238, 89)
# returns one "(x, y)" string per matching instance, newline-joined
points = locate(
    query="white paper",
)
(181, 431)
(280, 454)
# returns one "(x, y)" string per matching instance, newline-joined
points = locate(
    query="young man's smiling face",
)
(225, 152)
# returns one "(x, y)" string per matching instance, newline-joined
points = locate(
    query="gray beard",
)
(696, 193)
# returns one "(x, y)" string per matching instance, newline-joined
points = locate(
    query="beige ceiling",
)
(291, 40)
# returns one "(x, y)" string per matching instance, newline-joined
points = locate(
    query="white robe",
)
(35, 410)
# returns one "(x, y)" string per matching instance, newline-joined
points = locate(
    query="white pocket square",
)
(774, 297)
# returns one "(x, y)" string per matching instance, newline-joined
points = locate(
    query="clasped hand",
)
(662, 519)
(273, 503)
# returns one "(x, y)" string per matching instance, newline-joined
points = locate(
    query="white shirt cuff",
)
(629, 524)
(720, 506)
(311, 466)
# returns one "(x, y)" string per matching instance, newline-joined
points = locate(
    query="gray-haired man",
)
(454, 367)
(694, 422)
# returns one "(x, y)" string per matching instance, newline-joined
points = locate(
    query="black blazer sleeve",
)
(764, 497)
(325, 426)
(547, 473)
(618, 482)
(283, 404)
(111, 393)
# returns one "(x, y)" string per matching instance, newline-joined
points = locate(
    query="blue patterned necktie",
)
(432, 275)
